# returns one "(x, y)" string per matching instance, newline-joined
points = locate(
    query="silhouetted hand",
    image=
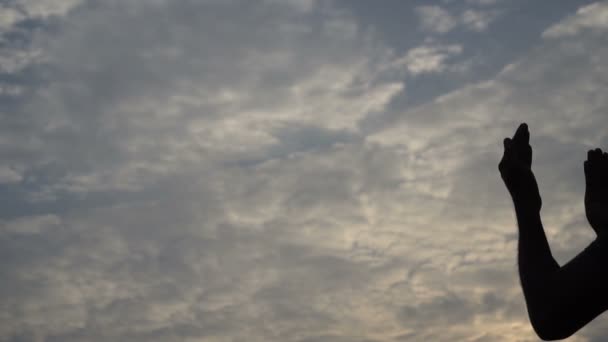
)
(596, 192)
(516, 170)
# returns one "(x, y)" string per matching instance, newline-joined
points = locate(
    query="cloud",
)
(429, 58)
(33, 8)
(477, 20)
(483, 2)
(181, 177)
(9, 17)
(137, 92)
(437, 19)
(197, 152)
(593, 18)
(8, 175)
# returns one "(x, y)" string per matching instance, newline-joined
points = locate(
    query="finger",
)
(586, 167)
(507, 143)
(589, 155)
(522, 135)
(595, 156)
(603, 164)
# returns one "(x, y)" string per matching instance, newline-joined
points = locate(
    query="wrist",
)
(527, 204)
(524, 210)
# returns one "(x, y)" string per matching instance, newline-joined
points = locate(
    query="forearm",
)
(537, 271)
(535, 260)
(560, 300)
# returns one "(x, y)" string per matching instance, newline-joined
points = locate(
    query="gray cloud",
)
(589, 18)
(437, 19)
(203, 171)
(429, 58)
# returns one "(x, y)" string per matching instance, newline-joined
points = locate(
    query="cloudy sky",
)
(286, 170)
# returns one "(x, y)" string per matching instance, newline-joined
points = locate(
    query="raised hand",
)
(516, 170)
(596, 192)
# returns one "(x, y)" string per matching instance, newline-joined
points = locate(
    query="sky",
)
(286, 170)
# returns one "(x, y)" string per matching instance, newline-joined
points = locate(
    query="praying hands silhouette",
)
(560, 300)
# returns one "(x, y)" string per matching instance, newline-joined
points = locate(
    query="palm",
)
(516, 169)
(596, 193)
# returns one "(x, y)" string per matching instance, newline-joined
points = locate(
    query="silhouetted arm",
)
(560, 300)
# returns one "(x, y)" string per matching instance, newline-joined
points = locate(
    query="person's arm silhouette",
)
(560, 300)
